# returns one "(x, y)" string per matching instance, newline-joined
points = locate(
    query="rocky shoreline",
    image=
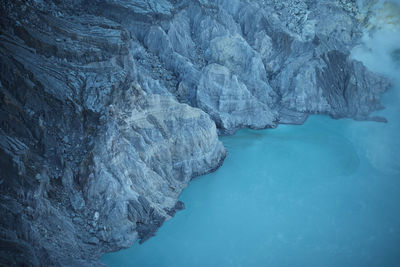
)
(109, 108)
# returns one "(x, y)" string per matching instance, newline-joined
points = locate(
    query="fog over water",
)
(326, 193)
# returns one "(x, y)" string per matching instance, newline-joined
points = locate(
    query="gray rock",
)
(230, 104)
(109, 108)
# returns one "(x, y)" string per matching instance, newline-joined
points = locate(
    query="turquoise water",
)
(326, 193)
(294, 196)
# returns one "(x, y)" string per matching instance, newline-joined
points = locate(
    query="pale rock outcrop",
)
(228, 101)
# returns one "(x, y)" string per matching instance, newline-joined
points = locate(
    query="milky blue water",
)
(326, 193)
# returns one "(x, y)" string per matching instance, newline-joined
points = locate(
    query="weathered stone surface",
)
(228, 101)
(108, 108)
(151, 148)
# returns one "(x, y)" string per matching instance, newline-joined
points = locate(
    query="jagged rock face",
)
(109, 108)
(150, 150)
(229, 102)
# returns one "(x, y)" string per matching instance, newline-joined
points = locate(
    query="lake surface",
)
(326, 193)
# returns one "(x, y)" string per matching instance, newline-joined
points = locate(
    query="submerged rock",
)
(109, 108)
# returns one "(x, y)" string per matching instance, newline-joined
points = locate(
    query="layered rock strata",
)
(109, 108)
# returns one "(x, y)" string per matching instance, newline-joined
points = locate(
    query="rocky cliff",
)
(108, 108)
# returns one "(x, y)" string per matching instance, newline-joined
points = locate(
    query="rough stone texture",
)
(229, 102)
(108, 108)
